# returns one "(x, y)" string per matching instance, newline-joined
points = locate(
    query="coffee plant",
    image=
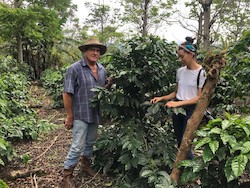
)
(137, 145)
(226, 153)
(17, 120)
(232, 92)
(52, 81)
(3, 184)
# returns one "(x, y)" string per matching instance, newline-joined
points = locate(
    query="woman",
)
(187, 91)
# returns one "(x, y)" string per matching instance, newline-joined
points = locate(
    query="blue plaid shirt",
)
(79, 80)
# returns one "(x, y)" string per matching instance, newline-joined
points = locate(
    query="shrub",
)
(140, 144)
(17, 120)
(52, 81)
(233, 87)
(226, 153)
(3, 184)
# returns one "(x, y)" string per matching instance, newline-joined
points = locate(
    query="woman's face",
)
(185, 57)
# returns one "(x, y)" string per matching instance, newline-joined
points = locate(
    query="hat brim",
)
(103, 48)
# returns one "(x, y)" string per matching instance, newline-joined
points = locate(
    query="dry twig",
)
(91, 178)
(48, 147)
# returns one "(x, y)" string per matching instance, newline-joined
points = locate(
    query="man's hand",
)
(68, 123)
(109, 82)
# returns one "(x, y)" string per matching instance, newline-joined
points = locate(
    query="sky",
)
(173, 33)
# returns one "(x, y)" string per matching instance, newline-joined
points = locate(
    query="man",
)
(80, 78)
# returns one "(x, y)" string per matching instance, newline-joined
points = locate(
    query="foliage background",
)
(137, 137)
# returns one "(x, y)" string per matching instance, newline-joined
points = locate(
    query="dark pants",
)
(180, 122)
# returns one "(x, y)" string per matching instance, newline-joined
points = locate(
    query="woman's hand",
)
(156, 99)
(172, 104)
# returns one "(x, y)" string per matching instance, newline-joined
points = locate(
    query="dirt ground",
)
(47, 154)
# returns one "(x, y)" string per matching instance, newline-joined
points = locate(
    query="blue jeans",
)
(180, 123)
(84, 137)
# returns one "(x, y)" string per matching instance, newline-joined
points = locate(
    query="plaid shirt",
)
(79, 80)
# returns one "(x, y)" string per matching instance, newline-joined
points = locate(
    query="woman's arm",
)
(165, 97)
(185, 102)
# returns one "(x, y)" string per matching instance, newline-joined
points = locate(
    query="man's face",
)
(92, 54)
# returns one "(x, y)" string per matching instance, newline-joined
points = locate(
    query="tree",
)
(217, 18)
(147, 14)
(206, 5)
(235, 20)
(33, 27)
(104, 22)
(213, 64)
(17, 4)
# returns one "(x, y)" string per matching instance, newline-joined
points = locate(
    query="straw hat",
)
(93, 42)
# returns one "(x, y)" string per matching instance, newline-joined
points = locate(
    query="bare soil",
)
(47, 154)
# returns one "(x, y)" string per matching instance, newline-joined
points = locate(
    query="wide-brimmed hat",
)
(93, 42)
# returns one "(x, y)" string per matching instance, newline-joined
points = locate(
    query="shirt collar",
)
(84, 63)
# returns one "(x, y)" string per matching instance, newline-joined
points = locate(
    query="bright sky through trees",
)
(172, 33)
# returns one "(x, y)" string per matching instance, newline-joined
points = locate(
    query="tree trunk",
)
(206, 5)
(213, 66)
(19, 48)
(17, 4)
(145, 18)
(199, 33)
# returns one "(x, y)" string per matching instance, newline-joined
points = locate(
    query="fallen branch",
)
(48, 147)
(34, 180)
(50, 119)
(91, 178)
(25, 173)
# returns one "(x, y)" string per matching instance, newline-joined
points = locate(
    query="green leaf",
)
(246, 129)
(155, 109)
(1, 162)
(201, 133)
(225, 124)
(198, 165)
(152, 178)
(179, 111)
(216, 121)
(239, 165)
(214, 145)
(221, 153)
(146, 173)
(185, 163)
(215, 130)
(188, 176)
(248, 156)
(228, 170)
(207, 154)
(247, 120)
(127, 166)
(233, 142)
(121, 73)
(246, 147)
(225, 137)
(2, 146)
(124, 159)
(202, 142)
(126, 145)
(121, 100)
